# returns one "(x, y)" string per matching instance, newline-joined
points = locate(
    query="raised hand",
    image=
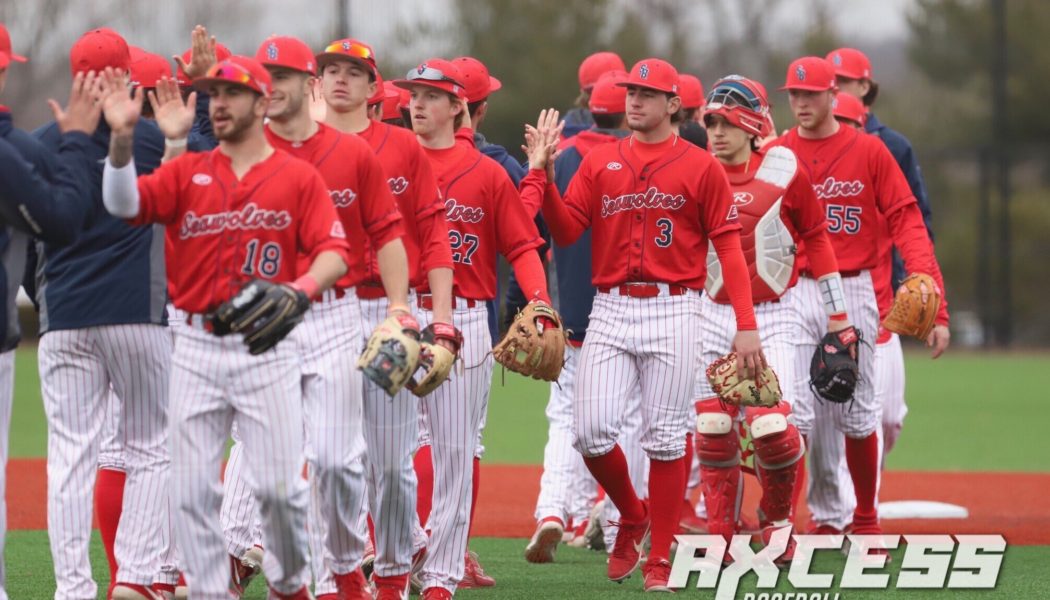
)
(174, 116)
(84, 109)
(121, 107)
(202, 53)
(541, 141)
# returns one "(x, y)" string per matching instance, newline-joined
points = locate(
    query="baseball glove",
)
(534, 344)
(436, 359)
(833, 372)
(263, 311)
(915, 306)
(392, 353)
(733, 389)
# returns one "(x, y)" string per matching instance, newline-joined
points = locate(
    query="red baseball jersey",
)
(474, 187)
(801, 215)
(357, 187)
(651, 216)
(412, 183)
(224, 231)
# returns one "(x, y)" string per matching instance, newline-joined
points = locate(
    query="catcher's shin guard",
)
(718, 450)
(778, 450)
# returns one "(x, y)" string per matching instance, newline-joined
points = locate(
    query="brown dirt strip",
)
(1011, 504)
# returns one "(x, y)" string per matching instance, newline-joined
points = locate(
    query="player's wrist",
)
(176, 143)
(308, 285)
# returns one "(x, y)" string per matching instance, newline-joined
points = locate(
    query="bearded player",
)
(777, 208)
(858, 180)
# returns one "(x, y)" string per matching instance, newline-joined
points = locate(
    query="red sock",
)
(611, 472)
(862, 458)
(689, 450)
(109, 500)
(475, 485)
(667, 481)
(424, 465)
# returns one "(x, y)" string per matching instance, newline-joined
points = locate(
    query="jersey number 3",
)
(269, 259)
(845, 219)
(666, 232)
(463, 246)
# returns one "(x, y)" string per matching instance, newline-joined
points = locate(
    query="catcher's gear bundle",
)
(833, 372)
(733, 389)
(263, 311)
(914, 307)
(392, 353)
(534, 344)
(435, 359)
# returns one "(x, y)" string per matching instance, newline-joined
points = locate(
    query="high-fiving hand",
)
(121, 106)
(202, 54)
(84, 108)
(173, 114)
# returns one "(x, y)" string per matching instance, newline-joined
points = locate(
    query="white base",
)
(921, 509)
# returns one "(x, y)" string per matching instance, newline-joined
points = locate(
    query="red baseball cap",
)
(606, 96)
(848, 106)
(287, 52)
(850, 63)
(391, 101)
(594, 66)
(654, 74)
(147, 68)
(6, 55)
(98, 49)
(238, 70)
(349, 49)
(221, 54)
(811, 73)
(380, 94)
(476, 78)
(436, 73)
(691, 91)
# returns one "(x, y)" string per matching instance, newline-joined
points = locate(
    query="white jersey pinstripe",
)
(78, 367)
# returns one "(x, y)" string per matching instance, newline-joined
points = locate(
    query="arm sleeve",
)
(909, 235)
(319, 226)
(735, 274)
(529, 273)
(515, 231)
(569, 218)
(379, 213)
(532, 188)
(120, 193)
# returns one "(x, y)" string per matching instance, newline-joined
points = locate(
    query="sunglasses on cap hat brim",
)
(430, 74)
(351, 51)
(231, 73)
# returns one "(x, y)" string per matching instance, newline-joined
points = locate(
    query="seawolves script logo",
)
(650, 198)
(398, 185)
(248, 218)
(454, 211)
(833, 188)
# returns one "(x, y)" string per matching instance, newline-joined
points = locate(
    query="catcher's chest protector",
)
(767, 240)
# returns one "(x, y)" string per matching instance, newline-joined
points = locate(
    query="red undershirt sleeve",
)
(735, 273)
(528, 270)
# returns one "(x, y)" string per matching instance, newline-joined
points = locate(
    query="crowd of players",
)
(129, 219)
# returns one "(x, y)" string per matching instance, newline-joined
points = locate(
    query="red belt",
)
(644, 290)
(809, 274)
(371, 290)
(426, 302)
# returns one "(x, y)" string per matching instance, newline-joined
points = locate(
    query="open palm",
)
(121, 107)
(174, 116)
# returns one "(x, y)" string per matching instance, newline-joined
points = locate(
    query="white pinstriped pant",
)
(830, 495)
(391, 429)
(451, 419)
(647, 343)
(77, 369)
(889, 388)
(7, 390)
(213, 381)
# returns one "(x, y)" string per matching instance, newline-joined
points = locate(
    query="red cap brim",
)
(494, 84)
(634, 84)
(327, 57)
(202, 83)
(444, 86)
(805, 88)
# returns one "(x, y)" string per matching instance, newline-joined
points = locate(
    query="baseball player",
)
(687, 121)
(474, 188)
(591, 69)
(653, 202)
(102, 315)
(332, 386)
(858, 180)
(232, 208)
(566, 487)
(348, 74)
(854, 78)
(777, 208)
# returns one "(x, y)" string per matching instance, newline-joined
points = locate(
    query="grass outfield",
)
(967, 413)
(578, 574)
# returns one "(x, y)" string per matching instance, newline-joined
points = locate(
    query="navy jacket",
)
(902, 152)
(576, 120)
(113, 273)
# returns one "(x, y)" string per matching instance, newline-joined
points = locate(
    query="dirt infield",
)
(1011, 504)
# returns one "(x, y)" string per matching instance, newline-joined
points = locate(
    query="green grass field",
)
(968, 412)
